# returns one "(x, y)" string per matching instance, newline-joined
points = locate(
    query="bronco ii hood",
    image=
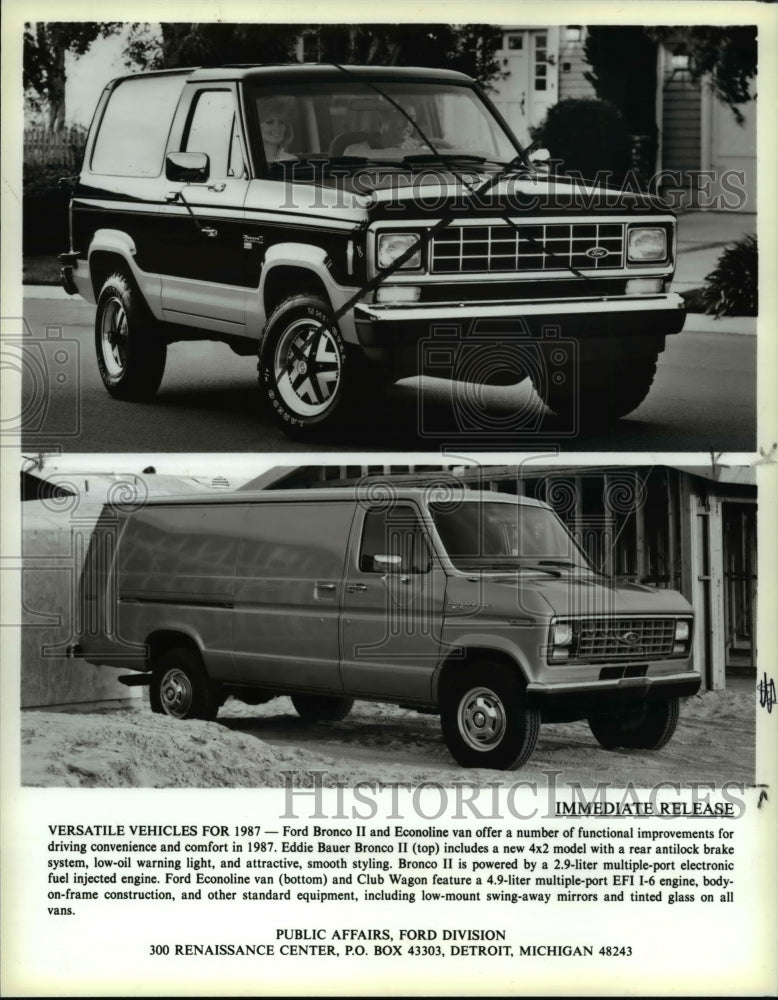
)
(378, 193)
(569, 595)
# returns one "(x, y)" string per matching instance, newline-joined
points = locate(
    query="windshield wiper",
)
(570, 564)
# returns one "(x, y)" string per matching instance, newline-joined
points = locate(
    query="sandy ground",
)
(251, 746)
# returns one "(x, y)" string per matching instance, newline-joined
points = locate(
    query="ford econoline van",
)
(479, 606)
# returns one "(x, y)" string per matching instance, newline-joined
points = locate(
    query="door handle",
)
(172, 196)
(352, 588)
(209, 231)
(325, 586)
(218, 187)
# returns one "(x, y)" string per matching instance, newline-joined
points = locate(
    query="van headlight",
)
(561, 640)
(646, 243)
(682, 637)
(390, 246)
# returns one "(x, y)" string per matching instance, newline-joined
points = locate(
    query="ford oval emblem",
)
(630, 638)
(596, 252)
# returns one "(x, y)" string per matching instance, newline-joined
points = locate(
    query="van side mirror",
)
(190, 168)
(391, 564)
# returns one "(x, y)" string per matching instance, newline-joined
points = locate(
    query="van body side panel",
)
(391, 624)
(176, 572)
(287, 595)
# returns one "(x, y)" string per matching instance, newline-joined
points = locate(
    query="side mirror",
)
(190, 168)
(391, 564)
(539, 158)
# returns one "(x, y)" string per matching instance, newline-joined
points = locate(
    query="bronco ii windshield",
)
(350, 123)
(505, 536)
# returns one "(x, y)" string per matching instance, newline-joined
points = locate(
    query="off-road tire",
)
(130, 345)
(311, 380)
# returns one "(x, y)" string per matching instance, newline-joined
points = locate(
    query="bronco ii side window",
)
(213, 130)
(396, 532)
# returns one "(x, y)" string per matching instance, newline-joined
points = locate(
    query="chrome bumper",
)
(393, 312)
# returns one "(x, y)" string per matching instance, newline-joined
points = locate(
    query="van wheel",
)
(648, 726)
(485, 719)
(180, 686)
(320, 708)
(306, 372)
(131, 348)
(597, 393)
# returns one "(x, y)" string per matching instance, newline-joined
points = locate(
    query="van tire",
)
(301, 340)
(321, 708)
(648, 726)
(130, 345)
(485, 719)
(180, 686)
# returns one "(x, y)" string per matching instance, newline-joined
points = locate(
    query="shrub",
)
(732, 287)
(588, 136)
(45, 208)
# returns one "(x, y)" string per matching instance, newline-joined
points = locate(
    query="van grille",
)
(617, 638)
(589, 246)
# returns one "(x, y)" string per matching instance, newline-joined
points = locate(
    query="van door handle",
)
(352, 588)
(209, 231)
(325, 586)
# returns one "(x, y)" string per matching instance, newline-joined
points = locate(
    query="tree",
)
(728, 54)
(468, 48)
(45, 45)
(623, 61)
(621, 54)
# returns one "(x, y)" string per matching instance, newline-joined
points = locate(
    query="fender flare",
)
(307, 257)
(478, 641)
(116, 241)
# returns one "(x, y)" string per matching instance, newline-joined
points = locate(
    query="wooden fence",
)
(65, 147)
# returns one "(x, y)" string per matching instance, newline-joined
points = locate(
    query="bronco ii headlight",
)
(392, 245)
(646, 244)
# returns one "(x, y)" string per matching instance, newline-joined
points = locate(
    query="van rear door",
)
(287, 595)
(392, 607)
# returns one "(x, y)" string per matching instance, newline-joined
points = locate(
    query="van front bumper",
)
(590, 697)
(614, 319)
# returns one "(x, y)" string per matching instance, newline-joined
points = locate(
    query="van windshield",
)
(348, 121)
(505, 536)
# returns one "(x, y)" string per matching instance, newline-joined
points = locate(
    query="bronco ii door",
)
(392, 605)
(207, 267)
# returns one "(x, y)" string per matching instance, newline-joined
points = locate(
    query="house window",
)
(541, 61)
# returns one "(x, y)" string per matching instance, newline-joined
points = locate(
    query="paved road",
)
(703, 398)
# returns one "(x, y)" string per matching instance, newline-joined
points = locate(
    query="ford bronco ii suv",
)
(480, 607)
(349, 226)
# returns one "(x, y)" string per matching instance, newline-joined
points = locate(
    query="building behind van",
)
(481, 607)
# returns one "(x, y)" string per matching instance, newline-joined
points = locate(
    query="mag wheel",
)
(485, 719)
(320, 708)
(180, 686)
(304, 368)
(648, 726)
(131, 349)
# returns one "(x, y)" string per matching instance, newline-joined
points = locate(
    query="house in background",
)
(695, 131)
(687, 528)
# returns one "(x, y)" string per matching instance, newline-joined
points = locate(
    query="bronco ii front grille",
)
(545, 247)
(619, 638)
